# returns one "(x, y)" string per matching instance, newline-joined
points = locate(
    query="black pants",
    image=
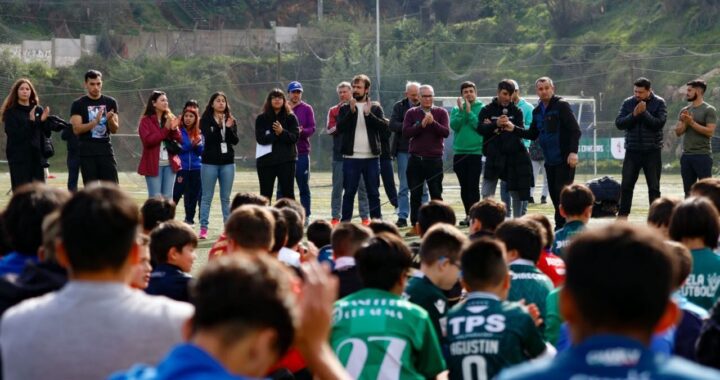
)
(285, 174)
(25, 172)
(651, 164)
(558, 176)
(188, 186)
(694, 167)
(421, 170)
(73, 165)
(467, 168)
(98, 168)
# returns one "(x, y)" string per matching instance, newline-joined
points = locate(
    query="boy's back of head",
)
(281, 230)
(99, 226)
(25, 212)
(294, 223)
(156, 210)
(170, 234)
(695, 217)
(383, 262)
(242, 199)
(484, 265)
(489, 212)
(267, 301)
(251, 227)
(377, 226)
(549, 234)
(575, 199)
(347, 238)
(319, 232)
(709, 188)
(442, 241)
(524, 236)
(434, 212)
(661, 210)
(682, 260)
(291, 204)
(619, 279)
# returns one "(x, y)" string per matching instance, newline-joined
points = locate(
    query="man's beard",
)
(359, 97)
(689, 99)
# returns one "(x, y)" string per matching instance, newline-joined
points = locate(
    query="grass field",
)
(246, 181)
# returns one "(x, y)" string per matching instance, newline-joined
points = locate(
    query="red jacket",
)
(553, 266)
(151, 136)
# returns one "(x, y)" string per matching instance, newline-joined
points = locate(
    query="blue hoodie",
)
(184, 362)
(190, 156)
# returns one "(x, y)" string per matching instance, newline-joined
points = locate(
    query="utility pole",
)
(320, 10)
(377, 48)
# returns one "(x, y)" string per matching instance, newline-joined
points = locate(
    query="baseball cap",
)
(294, 86)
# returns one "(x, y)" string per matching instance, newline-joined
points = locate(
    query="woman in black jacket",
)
(219, 130)
(26, 132)
(276, 132)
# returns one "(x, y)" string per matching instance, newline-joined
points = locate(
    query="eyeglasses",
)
(426, 96)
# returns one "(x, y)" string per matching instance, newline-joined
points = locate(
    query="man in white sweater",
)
(96, 324)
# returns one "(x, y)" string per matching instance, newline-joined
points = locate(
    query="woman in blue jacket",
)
(187, 181)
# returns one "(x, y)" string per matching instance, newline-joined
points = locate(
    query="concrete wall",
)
(37, 51)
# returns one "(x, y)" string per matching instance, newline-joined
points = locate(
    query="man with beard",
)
(697, 122)
(360, 122)
(506, 156)
(642, 117)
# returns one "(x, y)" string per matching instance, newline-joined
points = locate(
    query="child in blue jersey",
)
(576, 204)
(617, 292)
(485, 332)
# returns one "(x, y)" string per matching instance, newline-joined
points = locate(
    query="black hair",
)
(697, 83)
(466, 84)
(319, 232)
(208, 112)
(489, 212)
(191, 103)
(637, 292)
(506, 85)
(268, 109)
(251, 227)
(523, 235)
(241, 199)
(156, 210)
(695, 217)
(25, 212)
(99, 226)
(347, 238)
(294, 226)
(708, 188)
(170, 234)
(266, 299)
(378, 225)
(92, 74)
(441, 241)
(547, 228)
(642, 82)
(575, 198)
(383, 261)
(434, 212)
(291, 204)
(661, 211)
(483, 264)
(281, 229)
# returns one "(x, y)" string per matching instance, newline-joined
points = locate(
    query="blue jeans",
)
(337, 193)
(404, 191)
(161, 184)
(514, 206)
(209, 174)
(353, 170)
(302, 177)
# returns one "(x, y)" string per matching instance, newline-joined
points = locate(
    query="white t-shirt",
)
(361, 149)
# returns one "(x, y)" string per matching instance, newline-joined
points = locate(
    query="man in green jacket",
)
(467, 146)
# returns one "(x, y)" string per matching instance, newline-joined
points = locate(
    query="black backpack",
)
(607, 196)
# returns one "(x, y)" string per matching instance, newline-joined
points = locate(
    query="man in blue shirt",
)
(617, 292)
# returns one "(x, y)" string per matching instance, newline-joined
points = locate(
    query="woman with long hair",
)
(158, 129)
(219, 130)
(277, 127)
(187, 182)
(26, 131)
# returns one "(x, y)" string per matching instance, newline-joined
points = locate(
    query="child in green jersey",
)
(439, 271)
(576, 203)
(376, 334)
(485, 332)
(524, 240)
(694, 223)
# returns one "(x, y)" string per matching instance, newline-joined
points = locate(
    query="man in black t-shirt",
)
(94, 117)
